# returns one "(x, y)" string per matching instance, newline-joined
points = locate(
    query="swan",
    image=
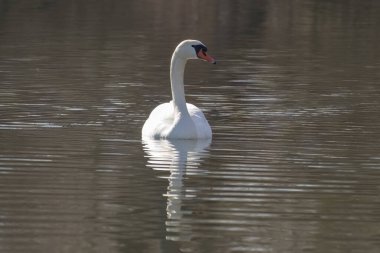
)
(178, 119)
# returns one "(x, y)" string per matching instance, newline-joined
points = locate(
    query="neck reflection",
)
(179, 158)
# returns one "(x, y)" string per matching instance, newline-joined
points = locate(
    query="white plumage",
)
(178, 119)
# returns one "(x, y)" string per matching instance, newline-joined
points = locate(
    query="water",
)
(293, 103)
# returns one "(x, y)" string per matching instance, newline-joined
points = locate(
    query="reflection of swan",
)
(177, 156)
(178, 119)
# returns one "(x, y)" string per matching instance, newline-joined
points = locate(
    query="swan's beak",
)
(206, 57)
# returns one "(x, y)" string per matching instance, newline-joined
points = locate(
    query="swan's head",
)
(193, 49)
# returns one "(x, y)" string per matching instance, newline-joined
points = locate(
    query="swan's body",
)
(165, 123)
(178, 119)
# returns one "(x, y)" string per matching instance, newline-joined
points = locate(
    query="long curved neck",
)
(177, 70)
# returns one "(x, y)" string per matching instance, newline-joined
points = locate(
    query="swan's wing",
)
(159, 120)
(200, 121)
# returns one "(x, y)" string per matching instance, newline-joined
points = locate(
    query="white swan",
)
(178, 119)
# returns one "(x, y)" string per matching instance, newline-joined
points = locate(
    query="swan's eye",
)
(199, 48)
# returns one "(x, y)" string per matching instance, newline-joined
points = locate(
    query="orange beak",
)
(206, 57)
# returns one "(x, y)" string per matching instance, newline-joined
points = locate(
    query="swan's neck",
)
(177, 70)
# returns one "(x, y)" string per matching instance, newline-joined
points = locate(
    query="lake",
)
(293, 102)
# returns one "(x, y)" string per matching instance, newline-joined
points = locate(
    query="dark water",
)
(294, 164)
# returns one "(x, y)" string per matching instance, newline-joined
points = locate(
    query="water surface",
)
(293, 102)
